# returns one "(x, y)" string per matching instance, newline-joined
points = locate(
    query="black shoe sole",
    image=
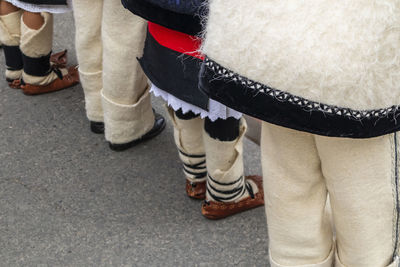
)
(152, 133)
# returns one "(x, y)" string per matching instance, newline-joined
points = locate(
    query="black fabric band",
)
(13, 57)
(226, 192)
(189, 24)
(173, 72)
(185, 116)
(252, 101)
(191, 156)
(224, 199)
(223, 130)
(37, 66)
(225, 184)
(197, 175)
(197, 166)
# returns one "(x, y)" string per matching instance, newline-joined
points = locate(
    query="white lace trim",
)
(42, 8)
(216, 109)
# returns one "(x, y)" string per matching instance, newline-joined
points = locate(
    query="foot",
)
(57, 60)
(97, 127)
(218, 210)
(62, 82)
(196, 190)
(159, 125)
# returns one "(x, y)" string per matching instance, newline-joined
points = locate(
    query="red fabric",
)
(177, 41)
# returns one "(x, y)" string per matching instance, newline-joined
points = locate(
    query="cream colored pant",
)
(361, 177)
(108, 41)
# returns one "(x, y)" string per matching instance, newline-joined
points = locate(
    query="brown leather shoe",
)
(219, 210)
(14, 84)
(71, 79)
(196, 190)
(58, 60)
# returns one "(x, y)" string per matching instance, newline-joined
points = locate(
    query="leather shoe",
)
(62, 82)
(97, 127)
(196, 190)
(159, 125)
(218, 210)
(57, 60)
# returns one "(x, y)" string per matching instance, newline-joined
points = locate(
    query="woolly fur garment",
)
(343, 53)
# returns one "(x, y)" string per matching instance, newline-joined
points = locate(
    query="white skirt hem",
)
(216, 109)
(42, 8)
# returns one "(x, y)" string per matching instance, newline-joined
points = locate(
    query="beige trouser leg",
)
(36, 44)
(88, 16)
(10, 35)
(226, 181)
(188, 135)
(361, 177)
(126, 100)
(299, 169)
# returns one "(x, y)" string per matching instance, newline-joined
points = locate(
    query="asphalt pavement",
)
(66, 199)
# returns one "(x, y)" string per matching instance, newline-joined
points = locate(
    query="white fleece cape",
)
(341, 53)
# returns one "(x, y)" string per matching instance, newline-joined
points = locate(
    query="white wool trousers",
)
(361, 177)
(108, 41)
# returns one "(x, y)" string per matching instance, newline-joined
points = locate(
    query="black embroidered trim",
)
(302, 102)
(281, 108)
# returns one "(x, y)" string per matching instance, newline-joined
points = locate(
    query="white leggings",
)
(361, 177)
(108, 40)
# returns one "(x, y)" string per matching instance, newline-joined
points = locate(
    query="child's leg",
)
(188, 135)
(295, 197)
(36, 44)
(10, 35)
(89, 50)
(228, 190)
(128, 114)
(362, 177)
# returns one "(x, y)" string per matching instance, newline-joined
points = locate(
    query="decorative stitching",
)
(307, 105)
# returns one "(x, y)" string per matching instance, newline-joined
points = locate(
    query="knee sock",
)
(36, 48)
(10, 35)
(223, 140)
(188, 136)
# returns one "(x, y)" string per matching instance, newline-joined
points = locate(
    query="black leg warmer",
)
(223, 130)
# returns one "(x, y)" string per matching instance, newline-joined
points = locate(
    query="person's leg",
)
(128, 115)
(188, 135)
(36, 45)
(10, 35)
(362, 177)
(89, 50)
(228, 190)
(295, 199)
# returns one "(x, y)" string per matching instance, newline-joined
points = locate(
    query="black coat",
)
(180, 15)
